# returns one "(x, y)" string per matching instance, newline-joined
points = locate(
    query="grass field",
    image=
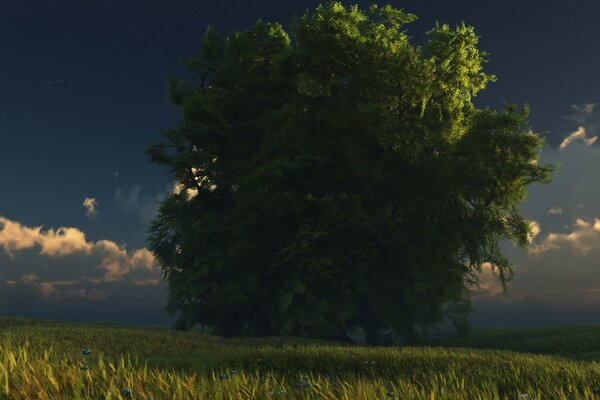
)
(51, 360)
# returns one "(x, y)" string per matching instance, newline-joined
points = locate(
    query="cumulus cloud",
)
(573, 193)
(59, 274)
(582, 124)
(14, 236)
(555, 281)
(115, 262)
(584, 237)
(90, 205)
(62, 242)
(142, 259)
(580, 133)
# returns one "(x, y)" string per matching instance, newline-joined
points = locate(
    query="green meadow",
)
(54, 360)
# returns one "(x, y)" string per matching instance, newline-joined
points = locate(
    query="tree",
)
(342, 177)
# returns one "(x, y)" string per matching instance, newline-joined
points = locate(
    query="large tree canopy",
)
(340, 176)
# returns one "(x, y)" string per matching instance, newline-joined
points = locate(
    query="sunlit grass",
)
(61, 361)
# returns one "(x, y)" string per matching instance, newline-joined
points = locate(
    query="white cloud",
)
(584, 237)
(575, 188)
(90, 205)
(14, 236)
(580, 133)
(142, 259)
(556, 286)
(65, 241)
(59, 274)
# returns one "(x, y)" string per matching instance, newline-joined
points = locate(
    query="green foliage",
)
(342, 176)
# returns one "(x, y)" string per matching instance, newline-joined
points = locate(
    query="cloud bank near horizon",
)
(46, 269)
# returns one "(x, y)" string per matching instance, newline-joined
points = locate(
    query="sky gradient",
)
(82, 94)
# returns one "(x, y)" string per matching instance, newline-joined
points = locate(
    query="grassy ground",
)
(45, 360)
(578, 342)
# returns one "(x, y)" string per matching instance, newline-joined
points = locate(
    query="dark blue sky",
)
(82, 94)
